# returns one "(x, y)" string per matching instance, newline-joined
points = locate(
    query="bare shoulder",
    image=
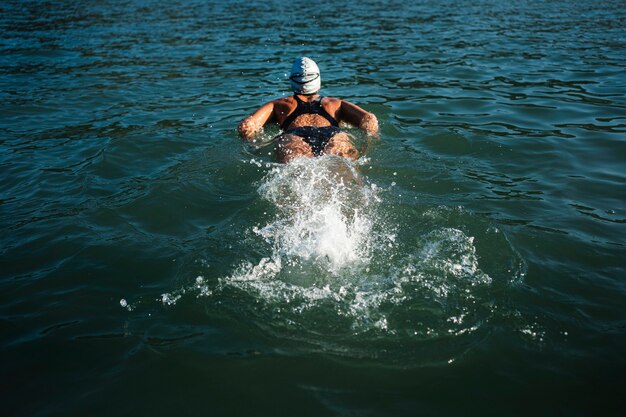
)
(283, 106)
(331, 104)
(331, 101)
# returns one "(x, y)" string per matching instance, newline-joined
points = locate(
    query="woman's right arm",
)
(356, 116)
(251, 125)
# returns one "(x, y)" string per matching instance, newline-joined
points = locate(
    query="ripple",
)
(485, 230)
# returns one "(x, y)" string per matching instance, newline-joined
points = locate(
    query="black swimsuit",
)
(316, 137)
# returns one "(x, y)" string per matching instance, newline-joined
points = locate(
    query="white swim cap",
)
(305, 76)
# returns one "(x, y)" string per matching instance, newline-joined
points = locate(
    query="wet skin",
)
(290, 146)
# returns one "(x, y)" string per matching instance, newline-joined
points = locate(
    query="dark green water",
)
(473, 264)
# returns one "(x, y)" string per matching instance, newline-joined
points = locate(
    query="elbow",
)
(369, 124)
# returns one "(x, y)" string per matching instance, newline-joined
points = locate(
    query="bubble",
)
(170, 299)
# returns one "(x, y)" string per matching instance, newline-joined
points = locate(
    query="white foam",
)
(331, 262)
(328, 248)
(454, 253)
(170, 298)
(323, 212)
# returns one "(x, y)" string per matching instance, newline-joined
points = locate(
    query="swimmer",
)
(309, 122)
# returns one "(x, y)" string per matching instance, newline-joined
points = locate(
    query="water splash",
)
(324, 213)
(334, 270)
(331, 249)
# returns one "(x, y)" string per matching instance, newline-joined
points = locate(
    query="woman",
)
(310, 122)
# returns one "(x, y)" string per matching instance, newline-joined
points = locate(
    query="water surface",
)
(471, 263)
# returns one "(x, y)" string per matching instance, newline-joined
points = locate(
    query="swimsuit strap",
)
(312, 107)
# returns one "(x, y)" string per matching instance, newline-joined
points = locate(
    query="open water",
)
(472, 263)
